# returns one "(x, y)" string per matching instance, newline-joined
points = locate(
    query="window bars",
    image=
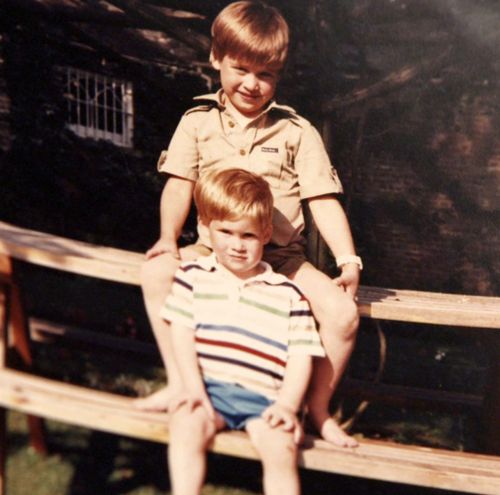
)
(99, 107)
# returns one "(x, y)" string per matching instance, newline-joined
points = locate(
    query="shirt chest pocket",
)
(275, 164)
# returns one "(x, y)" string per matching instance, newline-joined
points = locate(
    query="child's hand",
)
(192, 401)
(349, 278)
(278, 415)
(178, 400)
(163, 246)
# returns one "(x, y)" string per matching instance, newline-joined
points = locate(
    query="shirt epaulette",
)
(205, 103)
(290, 113)
(205, 107)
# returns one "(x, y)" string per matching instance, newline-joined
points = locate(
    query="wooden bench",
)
(381, 460)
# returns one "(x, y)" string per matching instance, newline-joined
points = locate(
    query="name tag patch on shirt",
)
(267, 149)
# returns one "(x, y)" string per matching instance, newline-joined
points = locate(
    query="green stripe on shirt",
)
(264, 307)
(302, 342)
(205, 295)
(178, 310)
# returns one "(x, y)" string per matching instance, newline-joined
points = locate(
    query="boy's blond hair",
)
(231, 194)
(251, 31)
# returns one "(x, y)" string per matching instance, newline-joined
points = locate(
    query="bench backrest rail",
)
(124, 266)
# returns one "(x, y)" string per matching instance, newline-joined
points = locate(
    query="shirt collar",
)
(218, 99)
(210, 263)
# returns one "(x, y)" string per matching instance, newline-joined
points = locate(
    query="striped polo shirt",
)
(244, 329)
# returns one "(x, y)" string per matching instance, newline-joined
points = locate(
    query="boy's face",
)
(248, 86)
(238, 245)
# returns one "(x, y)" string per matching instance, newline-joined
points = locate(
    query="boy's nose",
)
(251, 82)
(237, 244)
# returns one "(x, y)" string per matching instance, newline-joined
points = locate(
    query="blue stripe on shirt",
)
(301, 312)
(246, 333)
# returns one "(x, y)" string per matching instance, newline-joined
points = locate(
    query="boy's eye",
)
(266, 75)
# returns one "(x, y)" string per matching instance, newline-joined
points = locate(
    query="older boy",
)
(241, 126)
(243, 339)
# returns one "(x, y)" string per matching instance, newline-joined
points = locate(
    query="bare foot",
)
(333, 433)
(157, 401)
(330, 430)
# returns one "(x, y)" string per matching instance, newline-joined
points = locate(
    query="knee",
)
(341, 313)
(157, 273)
(190, 427)
(279, 454)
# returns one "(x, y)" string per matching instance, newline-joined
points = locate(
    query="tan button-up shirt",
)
(282, 147)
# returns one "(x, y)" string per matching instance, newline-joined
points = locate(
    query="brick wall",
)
(429, 219)
(5, 135)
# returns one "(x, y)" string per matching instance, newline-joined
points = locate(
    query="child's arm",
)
(187, 361)
(333, 226)
(284, 411)
(175, 203)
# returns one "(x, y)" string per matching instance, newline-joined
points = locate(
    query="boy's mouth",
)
(237, 257)
(249, 96)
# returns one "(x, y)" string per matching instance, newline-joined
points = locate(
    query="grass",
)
(82, 462)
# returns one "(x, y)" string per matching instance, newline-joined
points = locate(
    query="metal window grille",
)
(99, 107)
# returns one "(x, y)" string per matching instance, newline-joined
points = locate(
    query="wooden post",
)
(3, 324)
(15, 328)
(3, 448)
(3, 351)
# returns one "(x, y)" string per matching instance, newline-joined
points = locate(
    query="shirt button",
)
(243, 152)
(231, 124)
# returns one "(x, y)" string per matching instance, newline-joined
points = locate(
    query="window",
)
(99, 107)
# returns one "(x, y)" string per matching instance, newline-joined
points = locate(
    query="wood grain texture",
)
(380, 460)
(124, 266)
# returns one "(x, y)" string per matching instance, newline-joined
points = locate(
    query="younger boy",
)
(243, 339)
(241, 126)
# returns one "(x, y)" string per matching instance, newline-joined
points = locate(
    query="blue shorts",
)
(235, 404)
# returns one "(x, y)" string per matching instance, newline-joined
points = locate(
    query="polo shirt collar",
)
(218, 97)
(211, 264)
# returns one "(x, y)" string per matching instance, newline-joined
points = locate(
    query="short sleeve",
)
(182, 158)
(303, 337)
(178, 306)
(316, 174)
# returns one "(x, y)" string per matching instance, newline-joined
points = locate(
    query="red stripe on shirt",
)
(249, 350)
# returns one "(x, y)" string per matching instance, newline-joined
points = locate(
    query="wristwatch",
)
(344, 259)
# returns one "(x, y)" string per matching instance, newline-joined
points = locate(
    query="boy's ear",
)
(215, 63)
(268, 232)
(203, 228)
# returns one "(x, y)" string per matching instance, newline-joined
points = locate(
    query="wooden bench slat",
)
(412, 311)
(70, 255)
(372, 459)
(123, 266)
(430, 307)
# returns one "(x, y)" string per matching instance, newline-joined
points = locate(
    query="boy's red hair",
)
(230, 194)
(251, 31)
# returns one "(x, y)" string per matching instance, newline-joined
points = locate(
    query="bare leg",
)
(190, 433)
(338, 319)
(157, 276)
(278, 453)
